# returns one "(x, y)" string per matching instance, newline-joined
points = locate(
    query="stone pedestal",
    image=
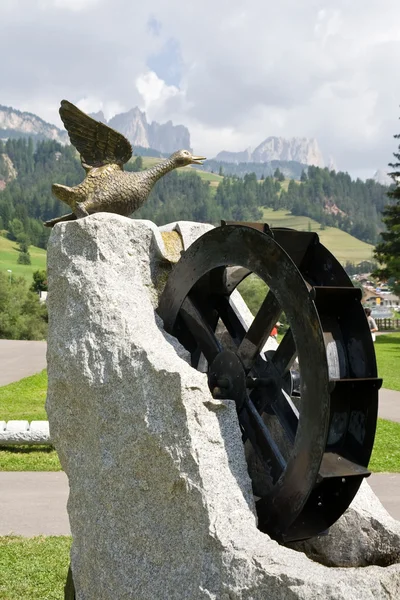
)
(160, 500)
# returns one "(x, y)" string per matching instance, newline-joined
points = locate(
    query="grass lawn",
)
(33, 568)
(386, 453)
(342, 245)
(9, 256)
(25, 400)
(387, 349)
(29, 458)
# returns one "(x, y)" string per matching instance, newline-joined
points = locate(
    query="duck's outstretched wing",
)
(97, 143)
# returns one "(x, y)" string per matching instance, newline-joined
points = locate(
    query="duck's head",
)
(182, 158)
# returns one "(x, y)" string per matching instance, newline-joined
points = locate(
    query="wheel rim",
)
(197, 296)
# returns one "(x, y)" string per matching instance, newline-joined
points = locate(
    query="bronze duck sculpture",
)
(107, 187)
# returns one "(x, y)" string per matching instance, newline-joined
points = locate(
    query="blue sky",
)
(167, 63)
(234, 73)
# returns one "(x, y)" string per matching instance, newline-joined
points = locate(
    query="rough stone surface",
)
(365, 535)
(188, 230)
(160, 500)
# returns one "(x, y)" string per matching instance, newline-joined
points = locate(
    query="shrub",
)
(22, 316)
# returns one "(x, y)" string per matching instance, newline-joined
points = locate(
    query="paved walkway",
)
(20, 359)
(387, 487)
(35, 503)
(389, 405)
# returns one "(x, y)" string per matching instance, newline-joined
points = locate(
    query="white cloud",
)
(155, 92)
(247, 70)
(74, 5)
(328, 24)
(92, 104)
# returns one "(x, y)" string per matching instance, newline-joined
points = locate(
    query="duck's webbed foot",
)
(81, 211)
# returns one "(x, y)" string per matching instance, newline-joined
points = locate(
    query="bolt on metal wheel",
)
(307, 411)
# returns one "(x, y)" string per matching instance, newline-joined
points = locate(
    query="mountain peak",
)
(381, 176)
(299, 149)
(165, 138)
(98, 116)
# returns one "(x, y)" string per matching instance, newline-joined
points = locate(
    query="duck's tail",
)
(52, 222)
(64, 193)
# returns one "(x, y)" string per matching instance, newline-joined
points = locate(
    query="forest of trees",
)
(27, 200)
(328, 197)
(334, 199)
(289, 168)
(185, 196)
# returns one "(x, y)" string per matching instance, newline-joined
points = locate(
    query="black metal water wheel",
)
(307, 450)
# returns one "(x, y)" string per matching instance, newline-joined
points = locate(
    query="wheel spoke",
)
(261, 440)
(224, 280)
(232, 321)
(287, 414)
(259, 331)
(200, 330)
(275, 398)
(285, 354)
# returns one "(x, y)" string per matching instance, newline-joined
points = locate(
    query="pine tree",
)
(388, 251)
(279, 175)
(24, 257)
(138, 163)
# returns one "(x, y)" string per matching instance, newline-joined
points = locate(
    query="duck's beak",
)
(198, 160)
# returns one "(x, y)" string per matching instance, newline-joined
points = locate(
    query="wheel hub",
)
(227, 378)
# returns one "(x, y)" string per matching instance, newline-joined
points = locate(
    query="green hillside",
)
(211, 177)
(182, 195)
(150, 161)
(9, 257)
(342, 245)
(354, 206)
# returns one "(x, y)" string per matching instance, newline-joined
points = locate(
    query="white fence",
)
(23, 432)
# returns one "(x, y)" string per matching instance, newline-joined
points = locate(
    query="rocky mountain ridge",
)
(381, 176)
(302, 150)
(164, 138)
(14, 123)
(8, 172)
